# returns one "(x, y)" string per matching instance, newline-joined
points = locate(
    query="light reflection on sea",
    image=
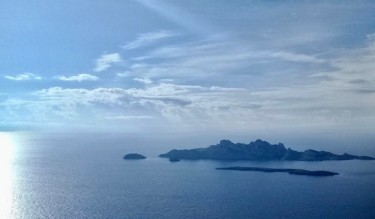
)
(7, 156)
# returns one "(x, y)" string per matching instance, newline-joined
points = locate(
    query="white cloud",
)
(106, 61)
(170, 102)
(23, 77)
(124, 74)
(82, 96)
(294, 57)
(148, 38)
(79, 77)
(128, 117)
(143, 80)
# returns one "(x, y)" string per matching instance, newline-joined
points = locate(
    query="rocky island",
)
(257, 150)
(290, 171)
(134, 156)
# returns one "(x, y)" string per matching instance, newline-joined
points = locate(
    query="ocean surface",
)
(84, 176)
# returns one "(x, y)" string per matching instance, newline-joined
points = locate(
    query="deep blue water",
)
(55, 176)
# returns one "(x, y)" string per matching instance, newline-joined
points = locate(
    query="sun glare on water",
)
(7, 149)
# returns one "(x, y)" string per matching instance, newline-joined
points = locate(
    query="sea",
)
(84, 176)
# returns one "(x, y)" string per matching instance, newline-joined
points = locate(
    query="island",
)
(258, 150)
(134, 156)
(290, 171)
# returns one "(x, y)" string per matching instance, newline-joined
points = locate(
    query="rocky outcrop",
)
(257, 150)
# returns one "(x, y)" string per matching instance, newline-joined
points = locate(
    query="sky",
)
(274, 68)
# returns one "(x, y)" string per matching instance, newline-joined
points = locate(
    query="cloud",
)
(143, 80)
(321, 103)
(80, 96)
(23, 77)
(353, 71)
(79, 77)
(128, 117)
(148, 38)
(124, 74)
(164, 102)
(294, 57)
(342, 96)
(228, 94)
(219, 60)
(106, 61)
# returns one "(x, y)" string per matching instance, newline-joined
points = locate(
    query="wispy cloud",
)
(219, 59)
(353, 70)
(79, 77)
(143, 80)
(294, 57)
(342, 96)
(23, 77)
(128, 117)
(148, 38)
(106, 61)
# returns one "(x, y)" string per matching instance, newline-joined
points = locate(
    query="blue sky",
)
(207, 66)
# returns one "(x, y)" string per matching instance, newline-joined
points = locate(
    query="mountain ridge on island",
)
(257, 150)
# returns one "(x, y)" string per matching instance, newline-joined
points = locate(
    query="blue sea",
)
(84, 176)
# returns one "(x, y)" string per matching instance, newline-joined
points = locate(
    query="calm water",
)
(59, 176)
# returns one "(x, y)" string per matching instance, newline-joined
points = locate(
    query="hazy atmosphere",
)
(299, 72)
